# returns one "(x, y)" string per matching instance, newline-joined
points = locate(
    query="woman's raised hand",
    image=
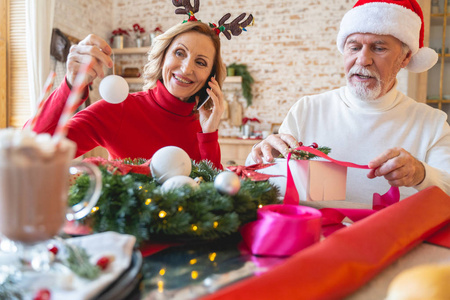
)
(210, 119)
(91, 47)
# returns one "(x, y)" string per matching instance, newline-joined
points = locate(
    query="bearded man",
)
(405, 143)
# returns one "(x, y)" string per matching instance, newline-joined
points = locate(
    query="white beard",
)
(361, 89)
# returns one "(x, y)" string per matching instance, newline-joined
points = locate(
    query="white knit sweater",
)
(358, 131)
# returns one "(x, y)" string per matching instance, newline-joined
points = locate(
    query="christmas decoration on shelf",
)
(138, 31)
(247, 80)
(117, 37)
(136, 204)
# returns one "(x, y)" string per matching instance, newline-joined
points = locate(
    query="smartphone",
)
(202, 94)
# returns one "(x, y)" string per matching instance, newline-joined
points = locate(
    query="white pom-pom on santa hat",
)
(402, 19)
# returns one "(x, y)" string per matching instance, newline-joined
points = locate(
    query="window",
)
(14, 95)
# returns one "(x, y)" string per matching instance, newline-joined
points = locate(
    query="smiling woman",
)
(180, 67)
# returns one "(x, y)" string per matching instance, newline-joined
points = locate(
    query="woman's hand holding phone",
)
(210, 119)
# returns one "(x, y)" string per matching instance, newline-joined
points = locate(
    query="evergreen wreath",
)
(135, 204)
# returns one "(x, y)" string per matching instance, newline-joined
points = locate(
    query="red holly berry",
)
(314, 145)
(300, 144)
(42, 294)
(53, 249)
(103, 262)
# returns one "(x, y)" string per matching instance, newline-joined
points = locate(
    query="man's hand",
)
(272, 146)
(399, 168)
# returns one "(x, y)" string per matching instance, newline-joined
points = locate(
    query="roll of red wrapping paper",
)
(349, 258)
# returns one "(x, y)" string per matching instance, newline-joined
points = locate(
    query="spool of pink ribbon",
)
(282, 229)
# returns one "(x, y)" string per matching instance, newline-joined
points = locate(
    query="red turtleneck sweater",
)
(136, 128)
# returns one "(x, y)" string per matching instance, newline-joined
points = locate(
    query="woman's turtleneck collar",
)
(171, 103)
(383, 103)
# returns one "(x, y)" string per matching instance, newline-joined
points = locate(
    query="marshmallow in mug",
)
(29, 144)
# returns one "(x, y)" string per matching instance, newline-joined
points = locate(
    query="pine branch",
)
(135, 204)
(78, 261)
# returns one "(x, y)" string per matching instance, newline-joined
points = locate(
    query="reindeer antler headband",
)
(234, 27)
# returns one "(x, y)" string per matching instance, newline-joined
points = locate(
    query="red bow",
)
(245, 120)
(250, 173)
(119, 167)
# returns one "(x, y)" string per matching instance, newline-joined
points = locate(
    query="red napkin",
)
(349, 258)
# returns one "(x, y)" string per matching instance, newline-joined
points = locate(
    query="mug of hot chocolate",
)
(34, 184)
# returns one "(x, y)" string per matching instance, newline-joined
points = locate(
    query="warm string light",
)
(160, 286)
(215, 224)
(94, 209)
(148, 201)
(193, 261)
(194, 274)
(162, 214)
(212, 256)
(162, 272)
(194, 227)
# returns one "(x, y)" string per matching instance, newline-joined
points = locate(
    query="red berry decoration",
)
(42, 294)
(314, 145)
(103, 262)
(53, 249)
(300, 144)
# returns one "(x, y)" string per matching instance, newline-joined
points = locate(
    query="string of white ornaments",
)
(113, 88)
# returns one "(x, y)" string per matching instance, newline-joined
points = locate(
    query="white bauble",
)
(227, 183)
(114, 89)
(178, 181)
(168, 162)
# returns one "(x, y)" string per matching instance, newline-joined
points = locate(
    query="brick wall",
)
(290, 51)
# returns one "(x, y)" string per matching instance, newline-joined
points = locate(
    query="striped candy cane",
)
(72, 101)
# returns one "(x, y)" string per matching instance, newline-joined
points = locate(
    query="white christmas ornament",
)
(227, 183)
(114, 89)
(178, 181)
(168, 162)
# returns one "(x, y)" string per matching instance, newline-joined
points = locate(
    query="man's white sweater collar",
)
(383, 103)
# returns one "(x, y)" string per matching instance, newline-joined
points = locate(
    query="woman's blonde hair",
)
(153, 68)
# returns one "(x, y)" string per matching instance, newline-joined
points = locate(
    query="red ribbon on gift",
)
(119, 167)
(291, 195)
(333, 217)
(280, 234)
(250, 172)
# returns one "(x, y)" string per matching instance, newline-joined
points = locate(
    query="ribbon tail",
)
(291, 195)
(390, 197)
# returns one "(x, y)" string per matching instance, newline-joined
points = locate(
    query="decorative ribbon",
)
(291, 195)
(246, 120)
(282, 230)
(249, 172)
(118, 166)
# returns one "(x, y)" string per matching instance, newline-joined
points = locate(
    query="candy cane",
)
(72, 101)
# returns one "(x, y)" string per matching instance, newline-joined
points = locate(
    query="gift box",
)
(315, 180)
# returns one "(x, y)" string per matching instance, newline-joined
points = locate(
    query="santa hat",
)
(402, 19)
